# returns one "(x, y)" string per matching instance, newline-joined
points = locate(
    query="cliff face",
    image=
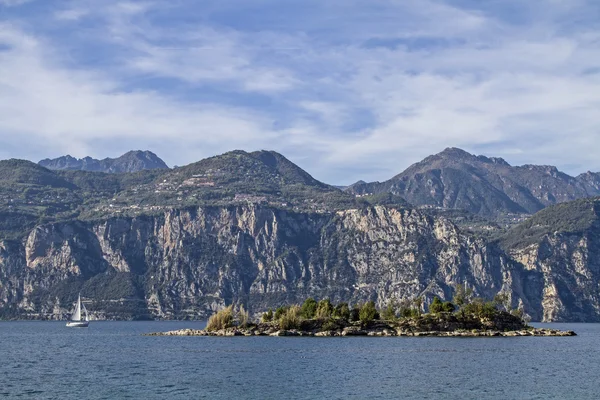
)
(187, 263)
(570, 266)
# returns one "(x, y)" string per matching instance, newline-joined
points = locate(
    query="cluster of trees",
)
(289, 317)
(463, 305)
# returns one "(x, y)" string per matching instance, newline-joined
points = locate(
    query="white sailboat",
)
(76, 321)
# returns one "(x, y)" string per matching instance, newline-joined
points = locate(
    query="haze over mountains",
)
(254, 228)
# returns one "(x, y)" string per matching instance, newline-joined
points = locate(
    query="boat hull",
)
(77, 324)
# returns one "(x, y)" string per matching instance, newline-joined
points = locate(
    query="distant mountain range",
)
(487, 186)
(132, 161)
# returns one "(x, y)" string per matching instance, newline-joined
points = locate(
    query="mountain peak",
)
(487, 186)
(455, 152)
(132, 161)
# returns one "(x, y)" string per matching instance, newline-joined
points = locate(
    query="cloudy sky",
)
(347, 89)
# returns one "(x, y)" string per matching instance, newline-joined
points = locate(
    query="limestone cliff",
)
(185, 263)
(562, 245)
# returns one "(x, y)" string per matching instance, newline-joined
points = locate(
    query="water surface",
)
(111, 360)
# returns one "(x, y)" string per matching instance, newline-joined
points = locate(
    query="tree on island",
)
(368, 312)
(324, 309)
(309, 308)
(437, 306)
(267, 316)
(389, 313)
(342, 311)
(326, 316)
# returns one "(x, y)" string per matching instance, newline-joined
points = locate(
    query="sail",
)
(77, 314)
(85, 311)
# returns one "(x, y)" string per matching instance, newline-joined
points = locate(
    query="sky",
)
(346, 89)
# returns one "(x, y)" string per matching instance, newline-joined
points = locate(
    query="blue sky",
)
(347, 89)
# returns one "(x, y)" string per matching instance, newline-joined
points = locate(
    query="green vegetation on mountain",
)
(31, 194)
(573, 217)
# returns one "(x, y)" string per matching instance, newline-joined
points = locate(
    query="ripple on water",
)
(112, 360)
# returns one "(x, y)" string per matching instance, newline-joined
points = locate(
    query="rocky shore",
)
(376, 329)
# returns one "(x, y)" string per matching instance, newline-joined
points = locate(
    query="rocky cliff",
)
(185, 263)
(562, 243)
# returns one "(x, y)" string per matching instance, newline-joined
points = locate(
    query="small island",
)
(464, 317)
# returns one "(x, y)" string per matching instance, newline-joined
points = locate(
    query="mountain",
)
(489, 187)
(186, 263)
(21, 172)
(31, 194)
(132, 161)
(562, 243)
(254, 228)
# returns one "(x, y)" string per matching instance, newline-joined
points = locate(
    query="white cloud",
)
(70, 110)
(13, 3)
(71, 14)
(366, 88)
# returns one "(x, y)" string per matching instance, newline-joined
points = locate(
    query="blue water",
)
(112, 360)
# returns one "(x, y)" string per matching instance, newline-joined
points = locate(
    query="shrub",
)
(389, 314)
(462, 296)
(368, 312)
(480, 308)
(436, 306)
(409, 312)
(280, 311)
(309, 308)
(503, 300)
(221, 319)
(342, 311)
(324, 309)
(418, 302)
(268, 316)
(242, 317)
(291, 318)
(448, 307)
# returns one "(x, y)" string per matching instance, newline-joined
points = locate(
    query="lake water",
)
(112, 360)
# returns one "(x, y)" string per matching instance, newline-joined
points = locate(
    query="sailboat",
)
(76, 321)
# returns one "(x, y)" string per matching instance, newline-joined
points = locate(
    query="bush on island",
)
(342, 311)
(291, 318)
(324, 309)
(267, 316)
(242, 317)
(222, 319)
(389, 313)
(280, 311)
(309, 308)
(368, 312)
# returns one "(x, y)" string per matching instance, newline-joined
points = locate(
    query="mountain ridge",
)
(132, 161)
(487, 186)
